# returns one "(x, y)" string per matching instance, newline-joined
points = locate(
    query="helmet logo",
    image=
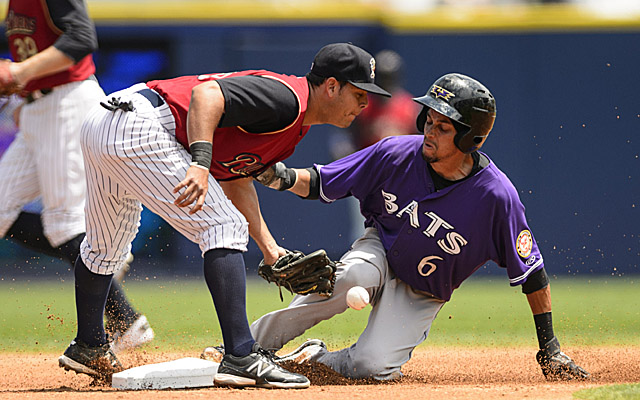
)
(372, 64)
(441, 93)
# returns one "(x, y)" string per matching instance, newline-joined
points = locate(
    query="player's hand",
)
(196, 184)
(557, 366)
(9, 83)
(272, 255)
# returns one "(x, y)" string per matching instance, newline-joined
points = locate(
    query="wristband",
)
(201, 153)
(544, 328)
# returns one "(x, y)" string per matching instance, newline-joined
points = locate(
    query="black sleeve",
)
(79, 38)
(257, 104)
(314, 184)
(536, 281)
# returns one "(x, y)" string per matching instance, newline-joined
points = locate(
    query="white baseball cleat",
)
(306, 352)
(137, 334)
(213, 353)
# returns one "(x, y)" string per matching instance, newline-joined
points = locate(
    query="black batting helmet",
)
(467, 102)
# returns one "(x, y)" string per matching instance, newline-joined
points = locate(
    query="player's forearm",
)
(540, 301)
(243, 195)
(47, 62)
(302, 184)
(205, 110)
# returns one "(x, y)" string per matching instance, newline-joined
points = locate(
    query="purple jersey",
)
(434, 240)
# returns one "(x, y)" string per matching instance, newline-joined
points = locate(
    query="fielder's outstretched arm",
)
(303, 182)
(243, 195)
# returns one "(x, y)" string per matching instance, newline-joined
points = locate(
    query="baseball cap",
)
(348, 63)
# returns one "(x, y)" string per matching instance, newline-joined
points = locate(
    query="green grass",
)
(611, 392)
(40, 316)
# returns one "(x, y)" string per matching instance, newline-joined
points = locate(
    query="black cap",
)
(347, 63)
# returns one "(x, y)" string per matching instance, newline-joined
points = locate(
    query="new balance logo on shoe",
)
(260, 367)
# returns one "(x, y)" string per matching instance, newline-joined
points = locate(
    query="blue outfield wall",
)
(567, 131)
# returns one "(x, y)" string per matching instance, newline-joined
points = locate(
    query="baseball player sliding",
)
(52, 43)
(436, 210)
(187, 149)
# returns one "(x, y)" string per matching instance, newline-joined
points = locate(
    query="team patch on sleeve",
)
(524, 243)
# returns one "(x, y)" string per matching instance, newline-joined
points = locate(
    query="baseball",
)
(357, 298)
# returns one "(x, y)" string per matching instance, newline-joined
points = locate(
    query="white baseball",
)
(357, 298)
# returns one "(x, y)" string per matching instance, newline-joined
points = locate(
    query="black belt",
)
(37, 94)
(153, 97)
(40, 93)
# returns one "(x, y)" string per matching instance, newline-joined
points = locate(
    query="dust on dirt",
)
(432, 373)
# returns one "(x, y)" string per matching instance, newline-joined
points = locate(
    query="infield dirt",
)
(432, 373)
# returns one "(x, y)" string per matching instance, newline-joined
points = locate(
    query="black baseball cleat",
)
(98, 361)
(258, 369)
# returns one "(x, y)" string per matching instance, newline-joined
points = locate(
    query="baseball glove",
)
(301, 274)
(8, 83)
(557, 366)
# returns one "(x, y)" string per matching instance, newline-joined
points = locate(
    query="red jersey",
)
(30, 29)
(386, 117)
(236, 152)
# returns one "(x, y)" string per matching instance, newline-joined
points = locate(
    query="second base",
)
(182, 373)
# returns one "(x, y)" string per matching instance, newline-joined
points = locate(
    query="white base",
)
(182, 373)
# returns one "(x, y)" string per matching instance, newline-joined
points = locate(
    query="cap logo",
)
(441, 93)
(372, 64)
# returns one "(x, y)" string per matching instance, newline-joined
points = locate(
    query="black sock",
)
(118, 310)
(120, 313)
(544, 328)
(28, 231)
(91, 295)
(224, 272)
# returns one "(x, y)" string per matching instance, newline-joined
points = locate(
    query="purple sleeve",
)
(518, 248)
(352, 175)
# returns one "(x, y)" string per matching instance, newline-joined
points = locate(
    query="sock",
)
(118, 310)
(91, 295)
(28, 231)
(224, 272)
(544, 328)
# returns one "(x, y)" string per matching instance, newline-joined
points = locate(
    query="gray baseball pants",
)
(400, 318)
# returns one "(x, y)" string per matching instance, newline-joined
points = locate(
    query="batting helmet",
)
(469, 105)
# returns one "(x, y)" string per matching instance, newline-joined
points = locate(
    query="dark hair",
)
(316, 80)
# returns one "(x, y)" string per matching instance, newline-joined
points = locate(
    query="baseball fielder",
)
(436, 210)
(187, 148)
(52, 43)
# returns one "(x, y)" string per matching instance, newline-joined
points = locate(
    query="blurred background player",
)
(385, 116)
(51, 43)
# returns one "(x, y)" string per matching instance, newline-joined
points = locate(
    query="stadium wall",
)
(565, 80)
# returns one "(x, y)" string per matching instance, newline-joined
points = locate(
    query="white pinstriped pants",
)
(45, 160)
(133, 159)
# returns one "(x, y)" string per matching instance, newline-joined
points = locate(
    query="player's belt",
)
(37, 94)
(153, 97)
